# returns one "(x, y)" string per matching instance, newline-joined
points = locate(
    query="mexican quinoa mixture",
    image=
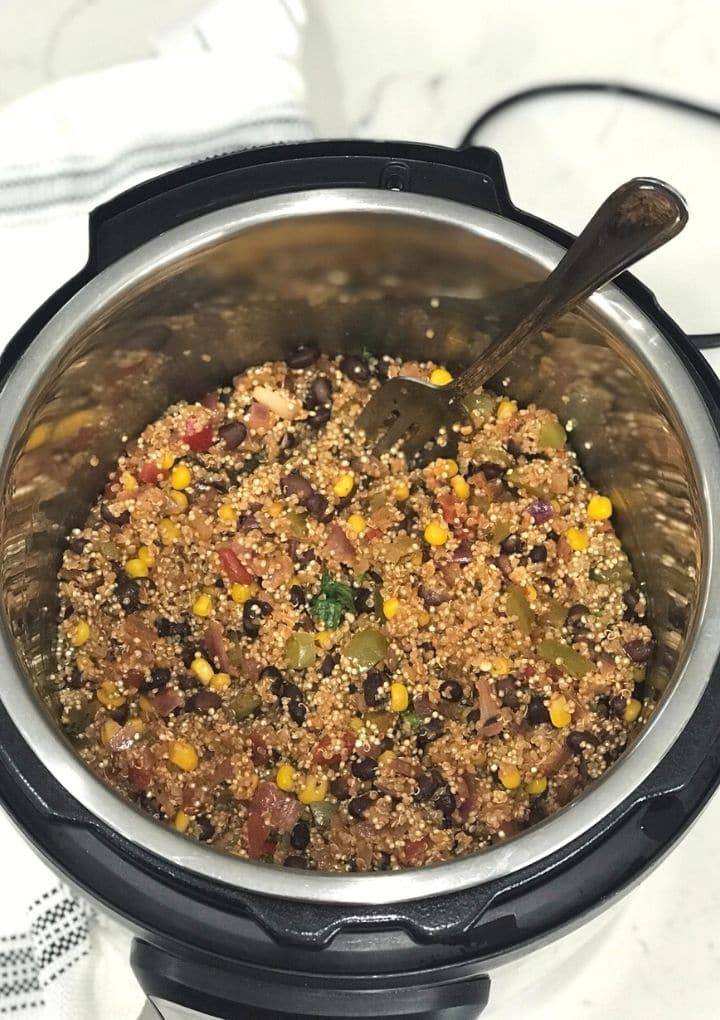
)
(281, 645)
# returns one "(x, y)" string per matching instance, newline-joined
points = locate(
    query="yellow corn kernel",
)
(180, 477)
(145, 704)
(109, 696)
(274, 510)
(324, 639)
(240, 593)
(356, 523)
(401, 492)
(220, 682)
(108, 730)
(440, 377)
(227, 513)
(146, 554)
(435, 534)
(314, 789)
(531, 592)
(423, 618)
(399, 697)
(577, 539)
(536, 786)
(182, 821)
(599, 508)
(80, 633)
(183, 754)
(390, 608)
(448, 467)
(460, 487)
(136, 568)
(128, 481)
(169, 531)
(285, 777)
(167, 461)
(202, 669)
(83, 662)
(38, 437)
(344, 485)
(356, 724)
(202, 606)
(134, 726)
(71, 424)
(509, 776)
(560, 711)
(180, 499)
(506, 408)
(632, 710)
(386, 757)
(639, 674)
(500, 666)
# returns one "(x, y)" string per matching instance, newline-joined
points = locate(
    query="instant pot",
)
(396, 248)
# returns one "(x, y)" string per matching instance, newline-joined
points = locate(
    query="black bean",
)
(248, 522)
(371, 687)
(120, 715)
(363, 599)
(188, 655)
(328, 664)
(149, 803)
(75, 680)
(445, 802)
(537, 713)
(575, 615)
(513, 448)
(537, 811)
(463, 553)
(490, 470)
(297, 596)
(206, 827)
(384, 861)
(296, 484)
(512, 544)
(187, 682)
(538, 554)
(203, 701)
(617, 706)
(639, 650)
(159, 677)
(295, 861)
(355, 368)
(473, 716)
(320, 417)
(317, 506)
(320, 391)
(631, 598)
(168, 628)
(578, 739)
(303, 356)
(553, 535)
(127, 592)
(430, 597)
(451, 690)
(77, 545)
(359, 805)
(273, 674)
(300, 835)
(364, 768)
(339, 788)
(297, 711)
(287, 443)
(428, 784)
(305, 622)
(233, 433)
(254, 611)
(507, 692)
(429, 733)
(118, 519)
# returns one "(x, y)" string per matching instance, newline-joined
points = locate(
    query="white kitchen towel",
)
(227, 79)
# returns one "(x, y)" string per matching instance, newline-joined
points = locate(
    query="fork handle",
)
(636, 219)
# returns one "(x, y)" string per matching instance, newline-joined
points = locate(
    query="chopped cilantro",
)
(253, 461)
(412, 719)
(335, 599)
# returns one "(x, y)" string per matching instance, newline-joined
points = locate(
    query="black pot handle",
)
(705, 341)
(474, 176)
(243, 991)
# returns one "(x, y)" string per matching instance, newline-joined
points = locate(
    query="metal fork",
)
(424, 419)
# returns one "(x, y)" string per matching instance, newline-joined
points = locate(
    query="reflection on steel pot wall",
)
(354, 269)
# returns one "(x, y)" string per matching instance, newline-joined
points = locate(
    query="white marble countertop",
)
(421, 70)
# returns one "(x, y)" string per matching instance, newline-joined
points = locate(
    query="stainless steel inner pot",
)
(350, 269)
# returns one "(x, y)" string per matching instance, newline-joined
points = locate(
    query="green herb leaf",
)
(412, 719)
(367, 355)
(335, 599)
(253, 461)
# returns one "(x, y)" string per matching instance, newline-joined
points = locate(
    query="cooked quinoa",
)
(280, 644)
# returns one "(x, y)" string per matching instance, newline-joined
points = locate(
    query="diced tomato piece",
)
(233, 568)
(149, 473)
(371, 533)
(258, 833)
(166, 701)
(260, 753)
(413, 851)
(134, 678)
(199, 440)
(324, 754)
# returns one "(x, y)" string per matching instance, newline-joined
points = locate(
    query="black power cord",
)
(570, 87)
(704, 341)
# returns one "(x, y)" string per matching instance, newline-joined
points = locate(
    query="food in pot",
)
(298, 652)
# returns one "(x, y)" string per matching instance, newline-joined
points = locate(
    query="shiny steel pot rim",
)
(626, 321)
